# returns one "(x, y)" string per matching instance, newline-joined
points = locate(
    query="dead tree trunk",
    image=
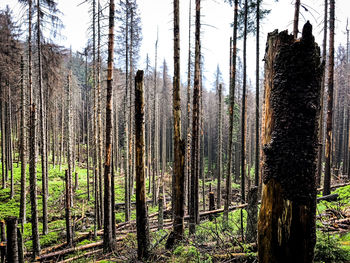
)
(22, 209)
(320, 123)
(252, 217)
(329, 129)
(286, 227)
(69, 234)
(107, 228)
(143, 242)
(231, 111)
(296, 18)
(179, 146)
(195, 127)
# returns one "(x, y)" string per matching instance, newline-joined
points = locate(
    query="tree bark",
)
(329, 128)
(143, 241)
(195, 127)
(286, 226)
(296, 18)
(252, 217)
(107, 229)
(69, 234)
(257, 80)
(32, 144)
(219, 153)
(12, 245)
(22, 209)
(231, 110)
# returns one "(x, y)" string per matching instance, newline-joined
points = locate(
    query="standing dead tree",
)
(293, 71)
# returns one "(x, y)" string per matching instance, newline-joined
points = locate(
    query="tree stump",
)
(293, 71)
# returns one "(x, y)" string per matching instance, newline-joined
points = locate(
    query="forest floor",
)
(214, 241)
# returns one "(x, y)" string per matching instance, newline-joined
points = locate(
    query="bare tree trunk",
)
(327, 175)
(257, 148)
(32, 145)
(286, 228)
(22, 209)
(87, 128)
(3, 154)
(143, 241)
(188, 116)
(179, 145)
(42, 124)
(231, 111)
(244, 101)
(195, 127)
(69, 234)
(108, 241)
(296, 18)
(9, 139)
(219, 153)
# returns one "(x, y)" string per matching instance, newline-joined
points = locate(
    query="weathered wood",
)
(108, 241)
(143, 242)
(160, 213)
(252, 217)
(82, 256)
(286, 227)
(69, 234)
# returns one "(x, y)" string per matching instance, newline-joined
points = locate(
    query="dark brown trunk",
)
(286, 227)
(329, 128)
(22, 209)
(257, 146)
(143, 241)
(107, 229)
(219, 153)
(252, 214)
(68, 196)
(12, 245)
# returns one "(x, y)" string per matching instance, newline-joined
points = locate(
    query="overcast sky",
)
(215, 35)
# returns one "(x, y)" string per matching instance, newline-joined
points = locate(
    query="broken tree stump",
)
(293, 71)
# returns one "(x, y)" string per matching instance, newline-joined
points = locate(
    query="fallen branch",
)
(82, 255)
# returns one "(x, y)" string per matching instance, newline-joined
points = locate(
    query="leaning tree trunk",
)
(143, 241)
(107, 227)
(286, 227)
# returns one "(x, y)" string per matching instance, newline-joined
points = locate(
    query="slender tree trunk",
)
(68, 196)
(87, 128)
(257, 90)
(9, 139)
(329, 129)
(22, 209)
(244, 101)
(231, 111)
(286, 228)
(195, 126)
(99, 117)
(42, 124)
(32, 145)
(320, 124)
(107, 229)
(188, 123)
(3, 154)
(143, 241)
(219, 153)
(296, 18)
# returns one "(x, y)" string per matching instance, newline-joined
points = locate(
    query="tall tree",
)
(195, 127)
(329, 129)
(320, 124)
(257, 148)
(143, 242)
(179, 145)
(107, 229)
(286, 228)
